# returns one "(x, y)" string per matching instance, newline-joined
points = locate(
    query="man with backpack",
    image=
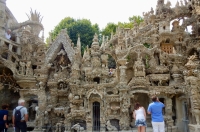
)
(20, 117)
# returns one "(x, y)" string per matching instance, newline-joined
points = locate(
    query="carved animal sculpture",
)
(110, 127)
(78, 127)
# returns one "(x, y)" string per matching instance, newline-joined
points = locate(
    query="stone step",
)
(148, 129)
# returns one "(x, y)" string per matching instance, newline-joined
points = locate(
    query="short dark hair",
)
(137, 105)
(4, 106)
(154, 98)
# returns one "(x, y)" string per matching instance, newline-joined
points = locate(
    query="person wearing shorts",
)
(139, 114)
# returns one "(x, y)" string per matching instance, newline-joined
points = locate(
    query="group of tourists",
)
(19, 117)
(155, 109)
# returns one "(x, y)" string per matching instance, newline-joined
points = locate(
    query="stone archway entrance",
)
(144, 101)
(142, 98)
(8, 89)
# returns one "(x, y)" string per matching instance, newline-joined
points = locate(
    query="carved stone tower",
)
(2, 16)
(160, 4)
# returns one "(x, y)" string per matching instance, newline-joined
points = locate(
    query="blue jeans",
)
(2, 127)
(20, 126)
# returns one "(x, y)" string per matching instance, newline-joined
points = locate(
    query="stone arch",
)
(31, 104)
(115, 122)
(192, 51)
(61, 40)
(142, 98)
(8, 93)
(95, 92)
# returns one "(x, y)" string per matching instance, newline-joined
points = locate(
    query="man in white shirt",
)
(8, 34)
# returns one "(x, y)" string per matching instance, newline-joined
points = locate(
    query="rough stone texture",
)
(66, 91)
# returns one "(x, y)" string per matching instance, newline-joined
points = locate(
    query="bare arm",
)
(5, 117)
(26, 117)
(148, 110)
(5, 120)
(134, 116)
(13, 120)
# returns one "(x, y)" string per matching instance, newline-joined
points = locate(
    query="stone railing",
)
(11, 45)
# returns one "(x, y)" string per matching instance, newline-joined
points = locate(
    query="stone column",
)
(17, 38)
(122, 74)
(19, 50)
(168, 112)
(21, 93)
(2, 17)
(10, 47)
(42, 99)
(179, 112)
(122, 69)
(1, 42)
(27, 103)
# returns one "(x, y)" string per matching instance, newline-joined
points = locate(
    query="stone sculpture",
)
(110, 127)
(78, 127)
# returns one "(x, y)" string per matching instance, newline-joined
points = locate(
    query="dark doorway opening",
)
(115, 123)
(96, 79)
(163, 101)
(96, 116)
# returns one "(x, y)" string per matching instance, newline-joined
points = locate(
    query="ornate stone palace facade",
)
(65, 91)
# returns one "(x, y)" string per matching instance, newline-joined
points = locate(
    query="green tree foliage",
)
(147, 45)
(83, 27)
(110, 28)
(125, 25)
(136, 19)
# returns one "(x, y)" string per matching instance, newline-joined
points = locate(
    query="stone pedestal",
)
(171, 128)
(194, 128)
(38, 130)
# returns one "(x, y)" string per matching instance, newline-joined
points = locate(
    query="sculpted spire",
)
(95, 45)
(36, 20)
(160, 4)
(95, 40)
(79, 43)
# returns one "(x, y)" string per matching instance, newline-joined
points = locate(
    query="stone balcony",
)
(11, 45)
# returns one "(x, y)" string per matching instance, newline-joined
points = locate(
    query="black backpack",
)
(18, 116)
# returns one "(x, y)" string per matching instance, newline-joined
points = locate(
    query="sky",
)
(97, 11)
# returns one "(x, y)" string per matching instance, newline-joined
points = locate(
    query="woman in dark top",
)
(3, 118)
